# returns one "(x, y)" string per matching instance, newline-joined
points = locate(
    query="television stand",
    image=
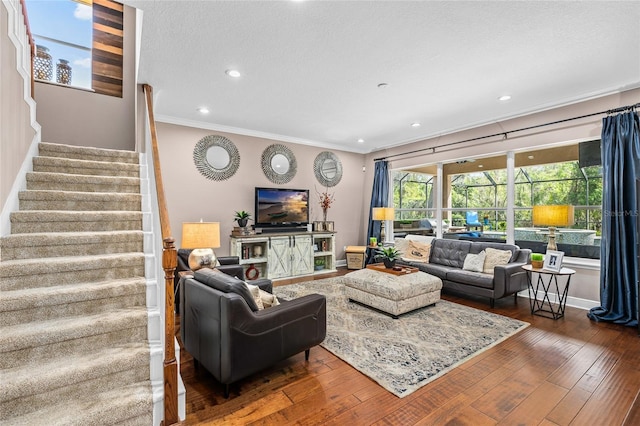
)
(285, 254)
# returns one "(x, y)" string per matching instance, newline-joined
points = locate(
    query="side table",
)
(546, 279)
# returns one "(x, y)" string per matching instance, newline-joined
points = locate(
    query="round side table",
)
(547, 280)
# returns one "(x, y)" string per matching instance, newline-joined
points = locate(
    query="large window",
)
(551, 176)
(62, 31)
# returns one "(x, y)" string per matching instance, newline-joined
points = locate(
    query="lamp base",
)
(551, 245)
(382, 233)
(202, 258)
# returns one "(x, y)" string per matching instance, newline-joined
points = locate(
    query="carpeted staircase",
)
(73, 342)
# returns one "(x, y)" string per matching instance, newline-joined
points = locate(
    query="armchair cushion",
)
(226, 284)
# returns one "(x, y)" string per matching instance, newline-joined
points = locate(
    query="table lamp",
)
(553, 216)
(383, 214)
(202, 237)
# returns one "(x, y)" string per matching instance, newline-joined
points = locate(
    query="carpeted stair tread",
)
(68, 221)
(57, 244)
(85, 167)
(21, 336)
(31, 273)
(74, 200)
(87, 153)
(127, 405)
(82, 183)
(40, 304)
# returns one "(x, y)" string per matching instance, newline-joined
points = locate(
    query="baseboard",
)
(574, 302)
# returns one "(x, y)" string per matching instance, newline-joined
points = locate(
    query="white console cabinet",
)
(284, 255)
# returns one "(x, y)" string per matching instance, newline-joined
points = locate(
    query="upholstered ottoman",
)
(393, 294)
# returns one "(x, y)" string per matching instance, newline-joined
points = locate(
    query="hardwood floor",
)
(566, 372)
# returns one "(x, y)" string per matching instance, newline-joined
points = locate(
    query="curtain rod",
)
(504, 134)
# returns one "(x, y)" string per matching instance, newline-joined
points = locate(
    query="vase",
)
(63, 72)
(388, 263)
(324, 215)
(537, 264)
(242, 222)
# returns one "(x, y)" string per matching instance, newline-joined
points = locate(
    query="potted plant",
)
(537, 260)
(242, 218)
(318, 264)
(389, 256)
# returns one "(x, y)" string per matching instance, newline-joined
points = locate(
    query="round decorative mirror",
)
(216, 157)
(279, 164)
(327, 168)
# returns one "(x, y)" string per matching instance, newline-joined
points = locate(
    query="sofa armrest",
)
(233, 270)
(509, 279)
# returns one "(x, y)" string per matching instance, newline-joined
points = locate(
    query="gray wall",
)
(192, 197)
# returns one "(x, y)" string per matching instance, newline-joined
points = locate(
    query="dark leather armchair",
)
(224, 331)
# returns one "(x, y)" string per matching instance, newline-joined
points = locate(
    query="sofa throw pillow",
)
(494, 258)
(263, 299)
(417, 252)
(474, 262)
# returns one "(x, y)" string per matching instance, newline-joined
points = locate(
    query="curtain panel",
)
(619, 274)
(379, 196)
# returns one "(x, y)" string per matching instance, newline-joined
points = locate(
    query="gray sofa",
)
(447, 258)
(223, 329)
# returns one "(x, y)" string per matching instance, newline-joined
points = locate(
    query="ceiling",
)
(311, 69)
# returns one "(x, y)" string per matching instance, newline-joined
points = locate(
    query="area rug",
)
(404, 354)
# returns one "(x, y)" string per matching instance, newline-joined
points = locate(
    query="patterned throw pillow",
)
(474, 262)
(417, 252)
(494, 258)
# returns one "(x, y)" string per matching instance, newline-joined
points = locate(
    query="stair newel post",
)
(169, 264)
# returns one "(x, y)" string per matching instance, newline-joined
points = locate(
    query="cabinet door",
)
(279, 258)
(302, 255)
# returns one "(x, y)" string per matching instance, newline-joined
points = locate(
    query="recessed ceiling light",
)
(203, 110)
(360, 140)
(480, 166)
(416, 124)
(504, 98)
(233, 73)
(530, 157)
(382, 85)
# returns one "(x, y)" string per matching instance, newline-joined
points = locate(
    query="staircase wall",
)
(19, 131)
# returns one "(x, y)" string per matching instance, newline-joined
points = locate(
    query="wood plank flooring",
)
(566, 372)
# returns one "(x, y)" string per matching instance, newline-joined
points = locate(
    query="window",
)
(80, 43)
(548, 176)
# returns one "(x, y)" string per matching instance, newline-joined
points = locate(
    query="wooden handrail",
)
(169, 263)
(32, 44)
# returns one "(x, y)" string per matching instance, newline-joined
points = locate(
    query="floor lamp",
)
(202, 237)
(553, 216)
(383, 214)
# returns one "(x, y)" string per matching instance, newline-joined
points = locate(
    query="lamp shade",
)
(197, 235)
(553, 215)
(383, 213)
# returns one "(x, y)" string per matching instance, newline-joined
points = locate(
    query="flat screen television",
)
(281, 207)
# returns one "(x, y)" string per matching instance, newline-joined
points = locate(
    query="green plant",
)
(319, 261)
(242, 215)
(539, 257)
(390, 253)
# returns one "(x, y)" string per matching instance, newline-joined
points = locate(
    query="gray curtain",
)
(619, 247)
(379, 196)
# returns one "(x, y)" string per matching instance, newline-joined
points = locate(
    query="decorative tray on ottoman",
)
(404, 270)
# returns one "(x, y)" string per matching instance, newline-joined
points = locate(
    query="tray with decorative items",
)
(396, 270)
